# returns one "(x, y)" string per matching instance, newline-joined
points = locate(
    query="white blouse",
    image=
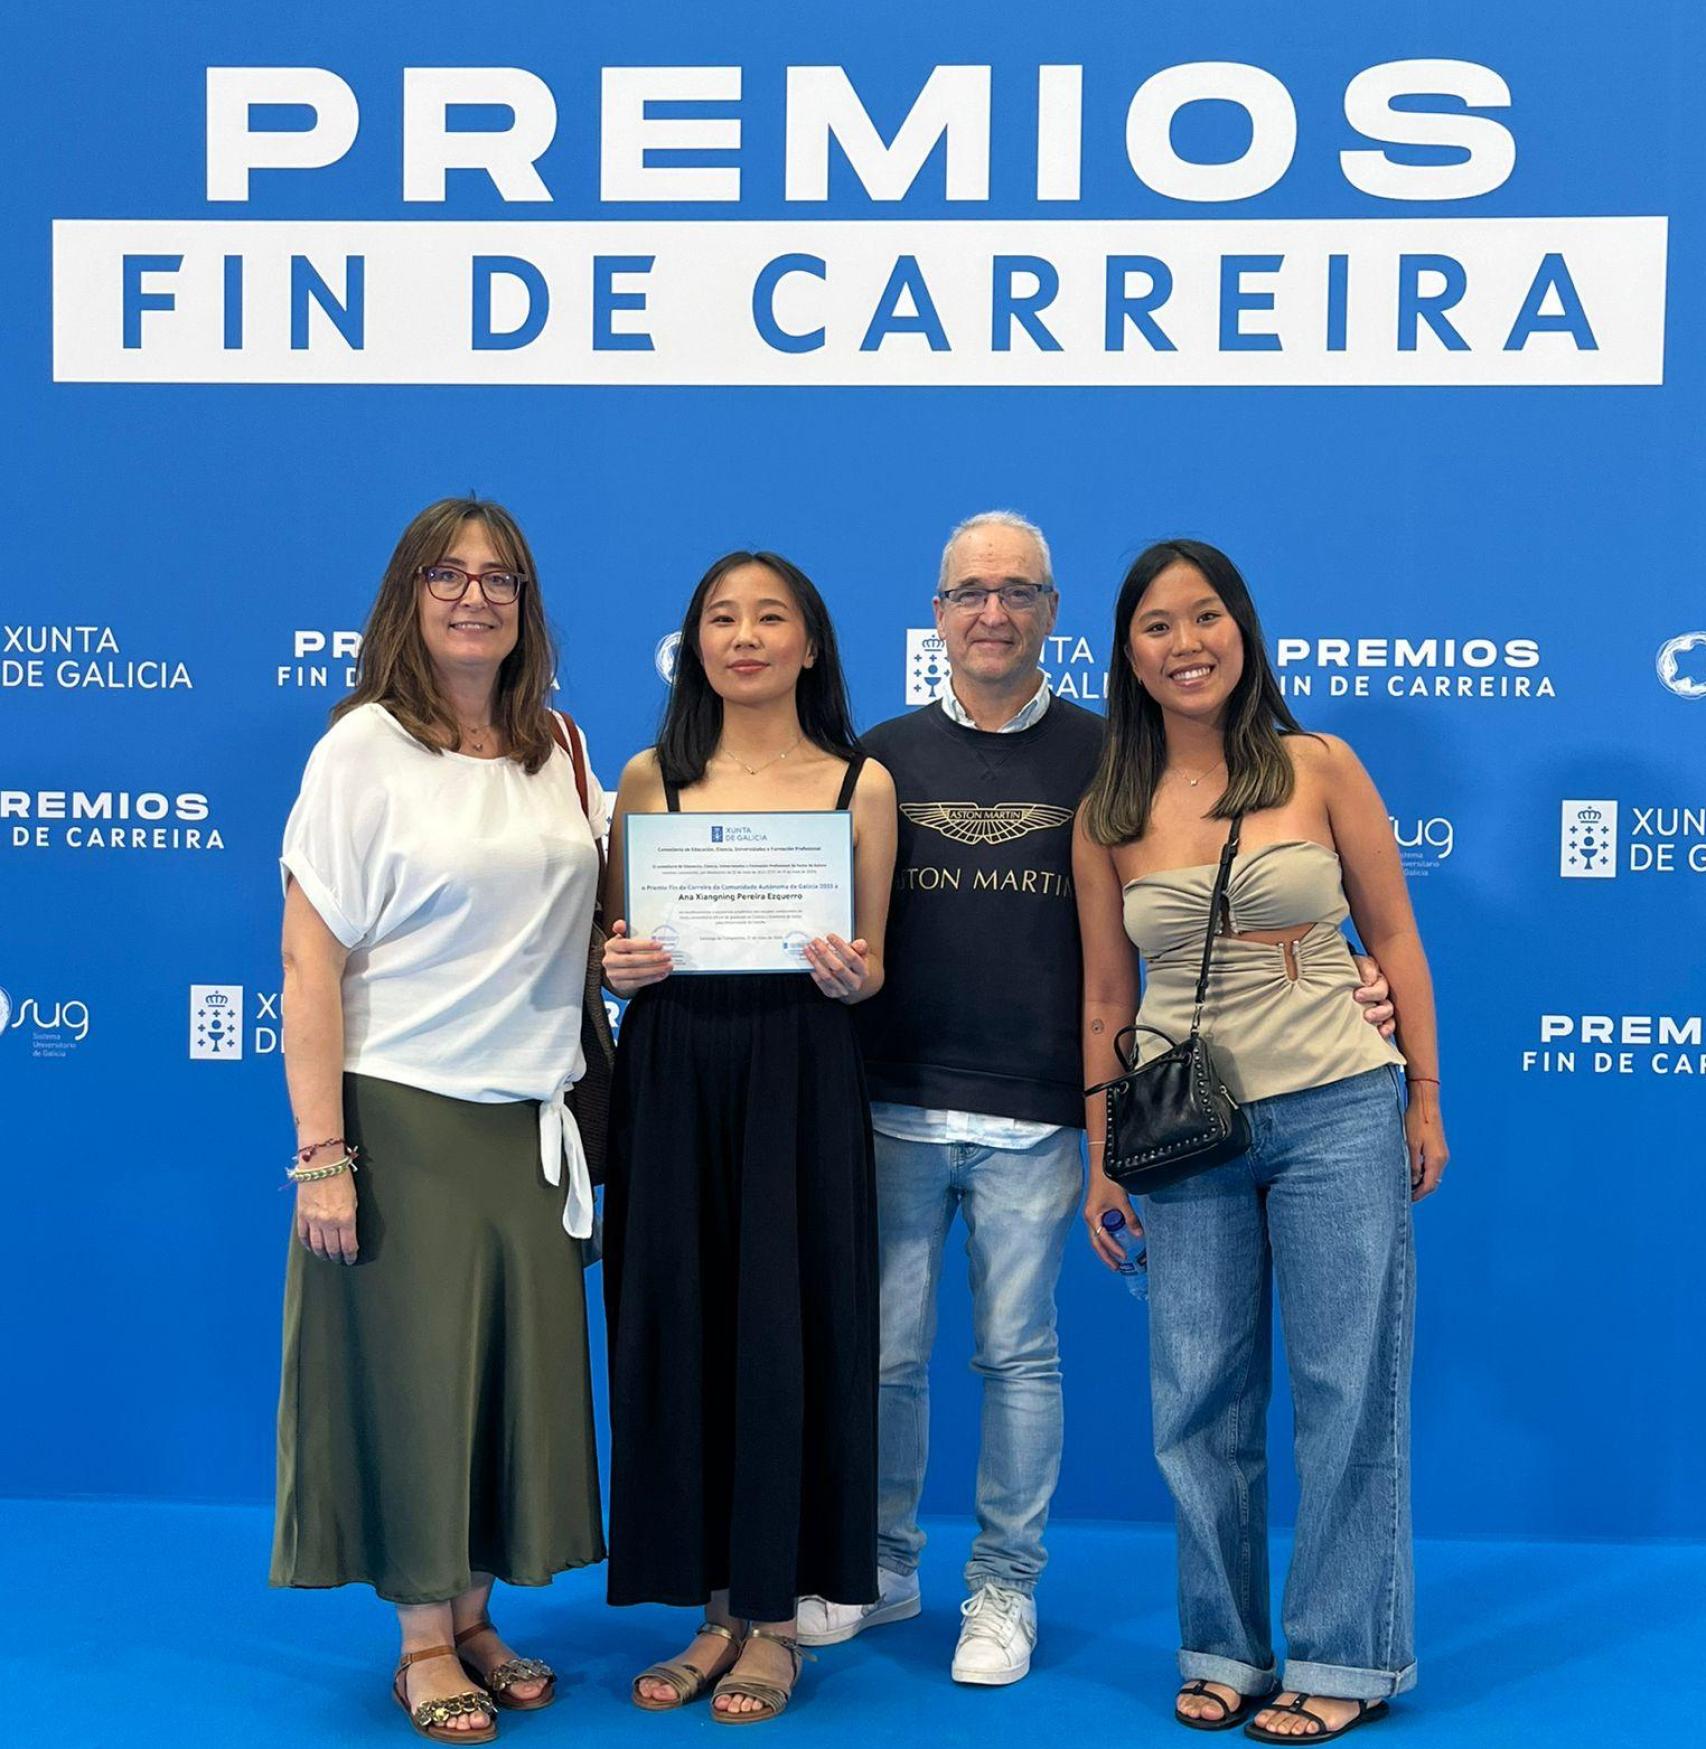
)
(464, 890)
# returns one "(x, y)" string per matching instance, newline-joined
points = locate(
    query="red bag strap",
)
(567, 736)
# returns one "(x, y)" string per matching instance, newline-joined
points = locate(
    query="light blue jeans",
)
(1019, 1205)
(1321, 1206)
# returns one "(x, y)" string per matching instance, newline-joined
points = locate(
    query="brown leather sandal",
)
(432, 1717)
(501, 1678)
(688, 1680)
(772, 1698)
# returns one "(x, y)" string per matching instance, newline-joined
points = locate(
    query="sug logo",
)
(216, 1022)
(54, 1032)
(1423, 845)
(1690, 647)
(971, 823)
(926, 665)
(1587, 841)
(667, 654)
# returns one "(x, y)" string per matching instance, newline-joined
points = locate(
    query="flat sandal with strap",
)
(772, 1699)
(688, 1680)
(501, 1678)
(1372, 1710)
(432, 1717)
(1228, 1718)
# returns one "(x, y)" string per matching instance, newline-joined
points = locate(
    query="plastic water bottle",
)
(1134, 1266)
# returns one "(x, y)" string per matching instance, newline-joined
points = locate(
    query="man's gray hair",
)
(996, 519)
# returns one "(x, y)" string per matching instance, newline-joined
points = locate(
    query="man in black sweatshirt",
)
(972, 1052)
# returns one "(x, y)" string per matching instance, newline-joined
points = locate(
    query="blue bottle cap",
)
(1113, 1220)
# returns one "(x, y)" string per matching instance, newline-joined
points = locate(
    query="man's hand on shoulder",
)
(1375, 995)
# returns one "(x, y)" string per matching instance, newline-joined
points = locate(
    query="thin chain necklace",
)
(775, 759)
(1194, 781)
(476, 738)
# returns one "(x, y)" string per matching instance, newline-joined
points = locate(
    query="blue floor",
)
(125, 1611)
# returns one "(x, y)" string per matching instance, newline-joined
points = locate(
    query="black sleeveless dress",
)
(740, 1280)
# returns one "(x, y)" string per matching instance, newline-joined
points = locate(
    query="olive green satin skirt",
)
(435, 1411)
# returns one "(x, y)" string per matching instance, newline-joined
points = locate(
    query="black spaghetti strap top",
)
(843, 801)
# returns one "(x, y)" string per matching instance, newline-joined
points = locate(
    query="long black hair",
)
(693, 718)
(1259, 772)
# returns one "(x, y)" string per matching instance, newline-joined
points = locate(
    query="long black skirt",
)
(740, 1284)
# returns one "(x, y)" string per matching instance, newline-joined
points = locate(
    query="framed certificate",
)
(738, 892)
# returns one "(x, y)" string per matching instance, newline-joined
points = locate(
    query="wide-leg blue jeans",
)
(1320, 1208)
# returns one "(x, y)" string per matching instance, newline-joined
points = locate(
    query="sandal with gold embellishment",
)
(771, 1697)
(432, 1717)
(501, 1678)
(688, 1680)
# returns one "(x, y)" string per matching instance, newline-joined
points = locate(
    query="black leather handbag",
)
(1172, 1117)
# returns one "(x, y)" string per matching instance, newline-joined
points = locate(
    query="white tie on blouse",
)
(559, 1134)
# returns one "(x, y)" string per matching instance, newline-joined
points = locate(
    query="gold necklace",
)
(775, 759)
(476, 738)
(1194, 781)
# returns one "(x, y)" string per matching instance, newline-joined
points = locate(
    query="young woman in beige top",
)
(1200, 738)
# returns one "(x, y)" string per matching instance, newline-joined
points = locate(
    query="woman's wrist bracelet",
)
(303, 1155)
(313, 1174)
(1429, 1080)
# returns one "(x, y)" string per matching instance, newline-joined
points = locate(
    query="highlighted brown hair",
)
(396, 670)
(1259, 771)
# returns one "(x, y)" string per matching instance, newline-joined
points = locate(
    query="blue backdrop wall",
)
(1463, 479)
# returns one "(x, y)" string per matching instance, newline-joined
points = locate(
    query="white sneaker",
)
(996, 1640)
(822, 1623)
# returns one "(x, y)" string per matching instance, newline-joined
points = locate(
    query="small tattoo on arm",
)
(1098, 1026)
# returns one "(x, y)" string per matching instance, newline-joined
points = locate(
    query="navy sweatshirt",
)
(979, 1010)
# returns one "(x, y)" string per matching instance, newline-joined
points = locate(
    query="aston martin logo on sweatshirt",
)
(973, 823)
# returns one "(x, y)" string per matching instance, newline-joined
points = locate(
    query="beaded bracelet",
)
(303, 1155)
(313, 1174)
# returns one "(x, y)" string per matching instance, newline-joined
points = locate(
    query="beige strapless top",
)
(1269, 1032)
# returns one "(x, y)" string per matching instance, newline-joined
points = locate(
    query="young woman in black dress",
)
(740, 1221)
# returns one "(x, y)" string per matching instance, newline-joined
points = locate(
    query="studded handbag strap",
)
(1222, 875)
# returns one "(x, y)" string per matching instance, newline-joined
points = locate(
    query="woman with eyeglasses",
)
(1205, 767)
(440, 874)
(740, 1218)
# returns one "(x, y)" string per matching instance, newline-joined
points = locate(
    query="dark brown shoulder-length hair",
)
(397, 672)
(1259, 772)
